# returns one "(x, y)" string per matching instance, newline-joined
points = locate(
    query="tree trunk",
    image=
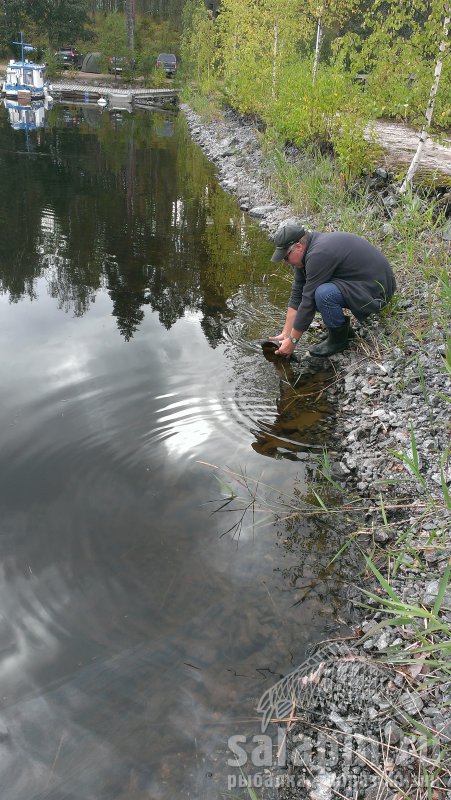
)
(274, 63)
(430, 109)
(131, 28)
(319, 36)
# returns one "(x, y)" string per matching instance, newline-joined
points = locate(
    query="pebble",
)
(392, 733)
(261, 211)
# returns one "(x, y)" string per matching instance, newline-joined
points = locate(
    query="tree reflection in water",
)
(122, 208)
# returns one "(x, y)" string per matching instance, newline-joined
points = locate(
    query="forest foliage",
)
(50, 24)
(318, 71)
(94, 25)
(313, 71)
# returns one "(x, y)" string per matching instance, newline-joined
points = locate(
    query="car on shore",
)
(68, 58)
(167, 62)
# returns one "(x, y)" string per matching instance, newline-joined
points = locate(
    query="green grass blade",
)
(443, 585)
(324, 507)
(383, 582)
(445, 490)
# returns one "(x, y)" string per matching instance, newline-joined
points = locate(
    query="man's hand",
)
(286, 348)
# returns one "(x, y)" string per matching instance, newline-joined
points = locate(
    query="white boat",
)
(25, 79)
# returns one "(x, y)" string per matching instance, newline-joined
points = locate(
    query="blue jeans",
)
(330, 302)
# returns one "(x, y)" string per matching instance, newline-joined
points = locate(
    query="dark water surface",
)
(134, 637)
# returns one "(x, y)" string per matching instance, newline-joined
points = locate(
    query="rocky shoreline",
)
(384, 741)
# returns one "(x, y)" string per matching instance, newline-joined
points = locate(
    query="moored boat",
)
(25, 79)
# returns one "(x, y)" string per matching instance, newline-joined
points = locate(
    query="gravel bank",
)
(360, 737)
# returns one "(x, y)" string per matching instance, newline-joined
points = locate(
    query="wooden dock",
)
(115, 97)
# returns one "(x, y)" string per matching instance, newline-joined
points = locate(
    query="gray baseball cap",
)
(286, 236)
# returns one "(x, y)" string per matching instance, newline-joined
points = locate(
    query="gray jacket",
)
(356, 267)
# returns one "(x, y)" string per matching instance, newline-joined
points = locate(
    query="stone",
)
(403, 757)
(383, 641)
(389, 202)
(446, 231)
(411, 703)
(431, 711)
(322, 785)
(339, 472)
(261, 211)
(373, 793)
(350, 462)
(430, 593)
(339, 722)
(392, 732)
(387, 229)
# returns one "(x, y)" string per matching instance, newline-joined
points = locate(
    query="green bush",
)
(305, 111)
(399, 88)
(354, 153)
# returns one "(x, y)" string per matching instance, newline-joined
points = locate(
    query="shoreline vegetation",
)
(392, 477)
(318, 75)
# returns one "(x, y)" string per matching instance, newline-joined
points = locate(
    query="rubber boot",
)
(336, 341)
(352, 334)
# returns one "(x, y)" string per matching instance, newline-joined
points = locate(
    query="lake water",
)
(138, 628)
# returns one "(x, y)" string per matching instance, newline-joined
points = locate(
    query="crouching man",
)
(332, 271)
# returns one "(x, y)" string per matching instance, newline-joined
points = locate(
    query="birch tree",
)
(430, 108)
(319, 36)
(198, 43)
(326, 14)
(255, 39)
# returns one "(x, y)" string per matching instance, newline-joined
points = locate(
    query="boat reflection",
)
(27, 117)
